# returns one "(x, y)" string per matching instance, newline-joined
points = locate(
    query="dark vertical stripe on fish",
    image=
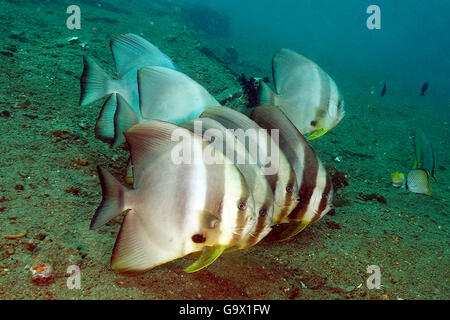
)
(324, 201)
(310, 171)
(241, 220)
(288, 197)
(325, 94)
(260, 227)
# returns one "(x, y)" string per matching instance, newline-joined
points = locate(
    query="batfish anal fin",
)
(136, 251)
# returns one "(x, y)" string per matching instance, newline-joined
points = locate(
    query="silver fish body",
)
(304, 92)
(174, 208)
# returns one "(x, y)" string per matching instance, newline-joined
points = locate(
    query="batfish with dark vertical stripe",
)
(315, 187)
(277, 169)
(226, 143)
(175, 207)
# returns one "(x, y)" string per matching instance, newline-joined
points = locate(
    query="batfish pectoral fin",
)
(317, 134)
(293, 230)
(209, 255)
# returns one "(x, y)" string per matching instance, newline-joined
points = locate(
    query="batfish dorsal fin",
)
(229, 118)
(235, 120)
(425, 157)
(272, 117)
(282, 64)
(149, 140)
(130, 51)
(171, 95)
(278, 171)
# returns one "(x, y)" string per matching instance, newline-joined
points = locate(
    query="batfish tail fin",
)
(94, 82)
(113, 200)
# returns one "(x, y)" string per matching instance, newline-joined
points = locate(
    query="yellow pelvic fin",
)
(209, 255)
(293, 229)
(129, 178)
(276, 220)
(317, 134)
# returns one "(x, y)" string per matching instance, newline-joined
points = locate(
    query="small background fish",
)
(424, 89)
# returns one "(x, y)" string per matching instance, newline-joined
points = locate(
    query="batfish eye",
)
(313, 123)
(324, 195)
(289, 189)
(198, 238)
(242, 205)
(262, 212)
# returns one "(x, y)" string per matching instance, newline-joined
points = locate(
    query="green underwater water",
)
(49, 186)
